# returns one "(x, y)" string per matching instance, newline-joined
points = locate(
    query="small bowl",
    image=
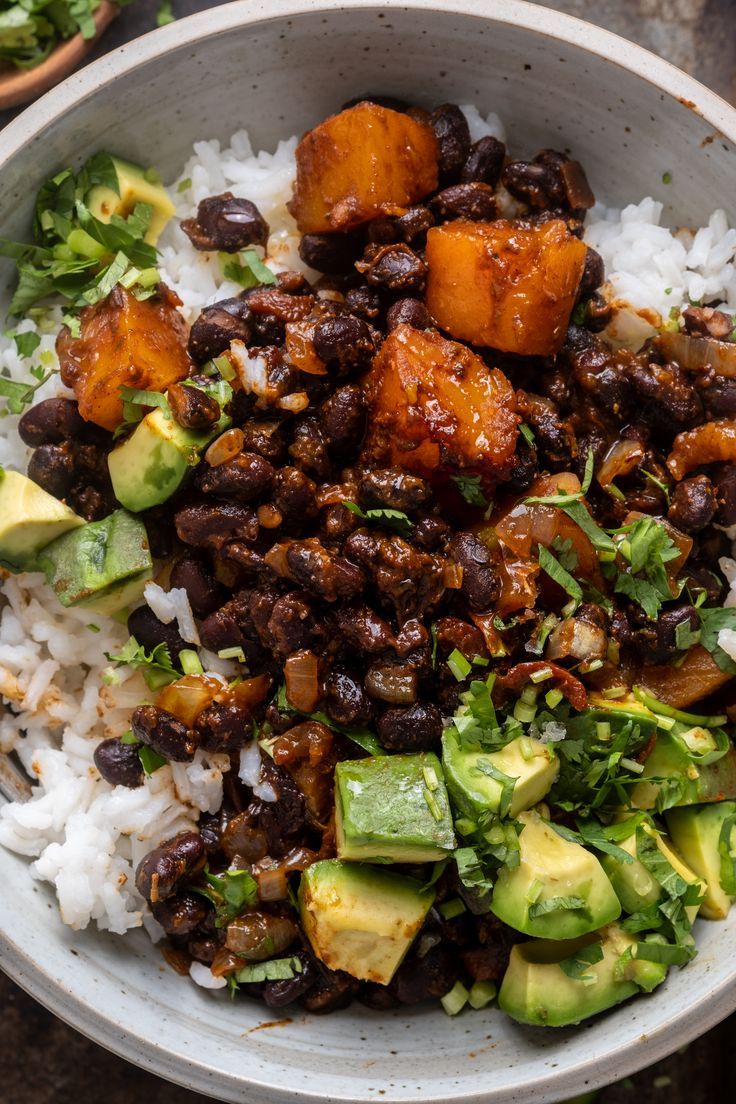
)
(630, 118)
(18, 86)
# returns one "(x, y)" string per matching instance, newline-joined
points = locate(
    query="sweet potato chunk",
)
(124, 342)
(492, 283)
(696, 677)
(437, 406)
(366, 161)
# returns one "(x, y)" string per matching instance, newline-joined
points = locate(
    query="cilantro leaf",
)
(470, 488)
(26, 343)
(506, 781)
(359, 734)
(231, 892)
(712, 622)
(557, 904)
(474, 879)
(157, 667)
(644, 593)
(395, 520)
(576, 965)
(557, 572)
(276, 969)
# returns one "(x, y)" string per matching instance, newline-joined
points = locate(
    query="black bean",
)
(394, 267)
(161, 869)
(118, 762)
(719, 398)
(145, 626)
(245, 477)
(309, 449)
(322, 573)
(708, 322)
(294, 494)
(212, 524)
(363, 629)
(594, 274)
(331, 253)
(265, 438)
(671, 398)
(345, 701)
(343, 341)
(224, 726)
(363, 301)
(52, 467)
(394, 488)
(203, 591)
(428, 533)
(182, 913)
(51, 422)
(332, 990)
(725, 485)
(536, 184)
(276, 994)
(408, 312)
(192, 407)
(218, 325)
(668, 622)
(292, 624)
(221, 629)
(481, 584)
(484, 162)
(431, 976)
(226, 223)
(342, 418)
(161, 731)
(416, 728)
(475, 202)
(693, 504)
(413, 224)
(453, 138)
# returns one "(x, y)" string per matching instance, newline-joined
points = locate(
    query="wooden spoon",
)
(17, 86)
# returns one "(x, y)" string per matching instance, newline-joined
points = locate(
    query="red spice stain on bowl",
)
(268, 1023)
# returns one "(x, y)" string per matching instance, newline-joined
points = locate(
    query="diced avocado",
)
(635, 886)
(103, 565)
(361, 919)
(558, 890)
(702, 833)
(533, 764)
(30, 518)
(536, 990)
(133, 188)
(393, 808)
(697, 783)
(148, 467)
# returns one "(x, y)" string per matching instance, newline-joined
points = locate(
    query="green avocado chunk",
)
(696, 782)
(393, 808)
(30, 518)
(360, 918)
(634, 885)
(475, 778)
(558, 890)
(148, 467)
(538, 990)
(102, 566)
(133, 188)
(706, 836)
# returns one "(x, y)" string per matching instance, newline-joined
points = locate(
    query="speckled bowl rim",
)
(97, 1025)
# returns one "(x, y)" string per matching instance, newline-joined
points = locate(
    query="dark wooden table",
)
(42, 1061)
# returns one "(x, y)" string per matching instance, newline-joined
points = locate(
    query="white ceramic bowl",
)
(556, 82)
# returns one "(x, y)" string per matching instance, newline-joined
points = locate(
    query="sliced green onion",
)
(448, 910)
(632, 765)
(224, 366)
(603, 730)
(432, 803)
(232, 653)
(524, 713)
(482, 993)
(454, 1001)
(657, 706)
(458, 664)
(465, 826)
(480, 661)
(526, 748)
(430, 778)
(529, 695)
(541, 675)
(553, 697)
(190, 662)
(593, 665)
(615, 692)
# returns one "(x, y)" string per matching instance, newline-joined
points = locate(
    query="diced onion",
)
(272, 885)
(203, 976)
(249, 770)
(170, 605)
(225, 447)
(694, 354)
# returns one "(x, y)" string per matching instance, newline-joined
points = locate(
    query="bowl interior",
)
(555, 82)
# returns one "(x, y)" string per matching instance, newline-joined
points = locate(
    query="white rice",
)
(85, 836)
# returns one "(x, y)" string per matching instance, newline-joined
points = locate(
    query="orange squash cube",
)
(496, 284)
(364, 162)
(124, 342)
(436, 406)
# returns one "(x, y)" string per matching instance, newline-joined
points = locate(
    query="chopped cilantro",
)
(20, 395)
(557, 572)
(470, 488)
(667, 177)
(396, 520)
(556, 904)
(576, 965)
(360, 735)
(150, 759)
(157, 667)
(276, 969)
(184, 184)
(528, 434)
(26, 343)
(164, 14)
(246, 269)
(230, 892)
(712, 622)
